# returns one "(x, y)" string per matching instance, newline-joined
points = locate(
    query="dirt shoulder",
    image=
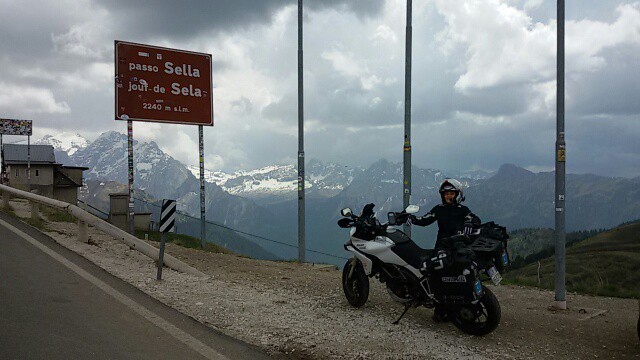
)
(298, 310)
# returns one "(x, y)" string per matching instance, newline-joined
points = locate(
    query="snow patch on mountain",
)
(67, 142)
(323, 179)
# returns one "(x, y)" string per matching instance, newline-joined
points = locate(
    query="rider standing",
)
(453, 218)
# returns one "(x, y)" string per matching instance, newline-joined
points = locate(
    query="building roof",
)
(75, 167)
(17, 154)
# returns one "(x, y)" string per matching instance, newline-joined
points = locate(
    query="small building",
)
(47, 176)
(119, 213)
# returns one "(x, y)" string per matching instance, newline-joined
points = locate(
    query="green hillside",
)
(526, 244)
(606, 264)
(182, 240)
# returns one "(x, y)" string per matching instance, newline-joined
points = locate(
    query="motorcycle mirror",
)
(346, 212)
(412, 209)
(392, 218)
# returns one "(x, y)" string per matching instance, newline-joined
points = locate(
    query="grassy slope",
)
(182, 240)
(59, 216)
(606, 264)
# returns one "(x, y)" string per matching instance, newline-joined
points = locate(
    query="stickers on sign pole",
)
(168, 215)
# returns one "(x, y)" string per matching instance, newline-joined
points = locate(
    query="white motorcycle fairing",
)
(380, 247)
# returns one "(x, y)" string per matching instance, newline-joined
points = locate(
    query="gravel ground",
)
(298, 310)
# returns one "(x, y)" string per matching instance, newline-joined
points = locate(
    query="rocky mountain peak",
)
(507, 171)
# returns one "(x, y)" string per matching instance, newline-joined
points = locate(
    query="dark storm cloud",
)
(578, 10)
(604, 145)
(611, 91)
(438, 99)
(26, 32)
(182, 19)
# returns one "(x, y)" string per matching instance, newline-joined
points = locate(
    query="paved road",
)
(55, 304)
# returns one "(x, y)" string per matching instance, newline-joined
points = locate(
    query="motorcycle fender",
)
(367, 264)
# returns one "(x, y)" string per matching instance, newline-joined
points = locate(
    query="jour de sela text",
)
(185, 70)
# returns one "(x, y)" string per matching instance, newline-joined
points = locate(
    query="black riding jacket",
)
(451, 219)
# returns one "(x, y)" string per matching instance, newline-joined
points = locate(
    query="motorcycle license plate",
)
(495, 276)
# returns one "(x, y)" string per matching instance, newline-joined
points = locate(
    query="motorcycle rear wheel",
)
(479, 319)
(356, 287)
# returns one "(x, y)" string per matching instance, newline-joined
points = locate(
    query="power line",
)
(247, 233)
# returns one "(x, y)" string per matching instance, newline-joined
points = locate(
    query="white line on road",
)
(169, 328)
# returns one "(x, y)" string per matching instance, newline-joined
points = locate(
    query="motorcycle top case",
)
(492, 230)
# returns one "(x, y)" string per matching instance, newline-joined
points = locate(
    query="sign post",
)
(130, 175)
(157, 84)
(29, 163)
(1, 161)
(16, 127)
(167, 224)
(202, 202)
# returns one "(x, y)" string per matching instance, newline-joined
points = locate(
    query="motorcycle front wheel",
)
(355, 284)
(479, 319)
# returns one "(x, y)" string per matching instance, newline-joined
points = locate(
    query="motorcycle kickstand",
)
(406, 308)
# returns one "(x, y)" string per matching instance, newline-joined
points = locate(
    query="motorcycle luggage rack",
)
(485, 245)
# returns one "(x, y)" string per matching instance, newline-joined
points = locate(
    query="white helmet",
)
(452, 185)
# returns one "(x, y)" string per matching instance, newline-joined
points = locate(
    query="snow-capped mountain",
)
(155, 172)
(162, 177)
(67, 142)
(323, 180)
(64, 145)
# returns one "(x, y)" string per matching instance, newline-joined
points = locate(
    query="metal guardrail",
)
(85, 218)
(93, 210)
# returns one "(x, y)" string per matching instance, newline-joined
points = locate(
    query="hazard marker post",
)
(167, 224)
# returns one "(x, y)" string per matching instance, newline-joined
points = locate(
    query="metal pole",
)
(202, 203)
(301, 202)
(1, 161)
(560, 300)
(28, 163)
(407, 117)
(130, 162)
(161, 256)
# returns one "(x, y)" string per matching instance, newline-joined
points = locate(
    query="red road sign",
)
(163, 85)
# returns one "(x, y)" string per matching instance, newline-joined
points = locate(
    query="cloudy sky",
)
(483, 78)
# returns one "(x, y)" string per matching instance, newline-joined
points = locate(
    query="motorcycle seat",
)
(413, 254)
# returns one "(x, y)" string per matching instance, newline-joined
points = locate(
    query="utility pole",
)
(560, 300)
(407, 118)
(301, 200)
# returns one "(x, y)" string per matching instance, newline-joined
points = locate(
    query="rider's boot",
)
(440, 315)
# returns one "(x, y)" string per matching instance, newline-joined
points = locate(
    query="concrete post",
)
(35, 208)
(5, 199)
(83, 228)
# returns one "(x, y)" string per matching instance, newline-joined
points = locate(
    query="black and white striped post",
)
(167, 224)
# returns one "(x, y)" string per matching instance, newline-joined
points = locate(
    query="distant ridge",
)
(264, 201)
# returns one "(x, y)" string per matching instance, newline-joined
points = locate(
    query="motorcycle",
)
(450, 278)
